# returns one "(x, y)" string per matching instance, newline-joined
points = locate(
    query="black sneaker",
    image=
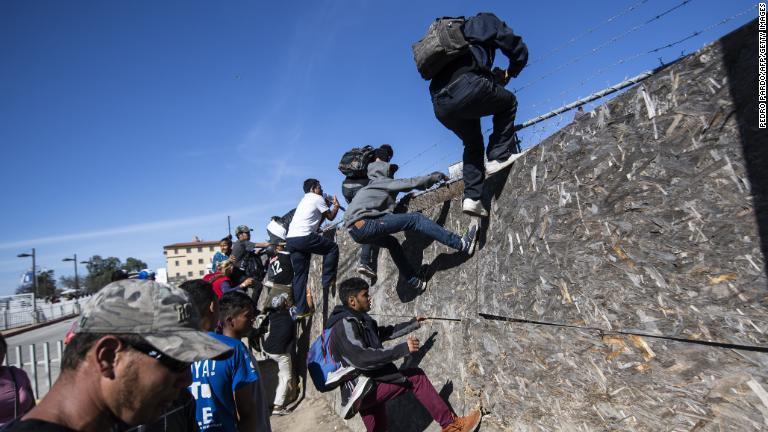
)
(366, 270)
(419, 285)
(469, 240)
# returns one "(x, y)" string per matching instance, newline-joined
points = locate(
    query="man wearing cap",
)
(240, 250)
(127, 362)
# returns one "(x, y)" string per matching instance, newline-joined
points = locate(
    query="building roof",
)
(193, 244)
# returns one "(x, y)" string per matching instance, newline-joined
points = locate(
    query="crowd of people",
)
(145, 356)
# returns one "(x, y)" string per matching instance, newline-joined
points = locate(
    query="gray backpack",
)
(443, 42)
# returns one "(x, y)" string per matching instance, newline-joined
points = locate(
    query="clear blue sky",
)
(128, 125)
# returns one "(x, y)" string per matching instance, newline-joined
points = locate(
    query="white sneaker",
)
(492, 167)
(474, 207)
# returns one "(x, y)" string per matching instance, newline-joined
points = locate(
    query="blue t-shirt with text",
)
(214, 383)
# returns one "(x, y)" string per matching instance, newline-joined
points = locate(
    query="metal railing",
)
(39, 366)
(43, 312)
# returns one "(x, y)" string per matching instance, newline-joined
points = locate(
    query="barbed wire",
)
(601, 46)
(643, 53)
(571, 41)
(539, 131)
(418, 155)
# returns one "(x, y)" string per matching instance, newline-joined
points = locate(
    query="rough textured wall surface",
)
(621, 279)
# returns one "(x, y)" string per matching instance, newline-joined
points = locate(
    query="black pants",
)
(459, 107)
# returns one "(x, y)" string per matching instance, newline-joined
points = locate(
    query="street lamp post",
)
(34, 282)
(34, 270)
(74, 261)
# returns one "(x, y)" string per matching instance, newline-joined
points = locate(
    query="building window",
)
(200, 261)
(189, 250)
(178, 274)
(202, 272)
(165, 252)
(177, 263)
(189, 262)
(189, 274)
(210, 248)
(199, 249)
(175, 251)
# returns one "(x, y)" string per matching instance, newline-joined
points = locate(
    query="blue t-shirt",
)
(214, 383)
(217, 258)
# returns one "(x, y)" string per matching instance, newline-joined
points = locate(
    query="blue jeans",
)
(301, 249)
(378, 232)
(459, 107)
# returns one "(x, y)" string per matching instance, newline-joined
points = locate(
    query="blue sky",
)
(128, 125)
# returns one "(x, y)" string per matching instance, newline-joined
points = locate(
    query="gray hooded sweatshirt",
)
(379, 196)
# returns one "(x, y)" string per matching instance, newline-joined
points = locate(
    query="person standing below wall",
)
(356, 340)
(304, 239)
(277, 345)
(467, 89)
(128, 362)
(16, 396)
(222, 255)
(228, 393)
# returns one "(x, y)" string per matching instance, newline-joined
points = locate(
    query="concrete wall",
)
(621, 278)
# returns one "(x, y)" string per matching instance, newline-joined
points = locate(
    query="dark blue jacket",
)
(485, 33)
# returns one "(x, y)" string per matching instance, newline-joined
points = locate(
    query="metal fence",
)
(25, 314)
(39, 364)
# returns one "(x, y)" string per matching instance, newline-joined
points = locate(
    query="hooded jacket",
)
(380, 195)
(485, 33)
(356, 340)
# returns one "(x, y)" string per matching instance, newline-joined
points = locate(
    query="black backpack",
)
(442, 44)
(350, 187)
(354, 163)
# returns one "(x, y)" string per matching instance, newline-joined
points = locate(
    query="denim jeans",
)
(459, 107)
(301, 249)
(377, 232)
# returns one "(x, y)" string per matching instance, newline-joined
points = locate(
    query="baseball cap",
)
(163, 315)
(242, 228)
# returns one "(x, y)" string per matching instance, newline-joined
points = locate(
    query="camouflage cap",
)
(242, 229)
(164, 316)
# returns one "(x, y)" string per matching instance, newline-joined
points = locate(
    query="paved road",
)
(38, 337)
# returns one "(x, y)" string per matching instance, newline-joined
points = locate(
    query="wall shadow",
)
(740, 60)
(406, 414)
(414, 245)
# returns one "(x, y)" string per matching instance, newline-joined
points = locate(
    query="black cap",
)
(385, 152)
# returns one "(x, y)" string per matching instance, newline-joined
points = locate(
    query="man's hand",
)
(246, 283)
(501, 76)
(437, 176)
(413, 344)
(335, 202)
(420, 318)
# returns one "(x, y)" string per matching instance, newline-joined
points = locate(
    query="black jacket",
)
(281, 332)
(485, 33)
(356, 340)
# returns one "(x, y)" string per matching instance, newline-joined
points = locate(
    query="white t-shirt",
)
(309, 214)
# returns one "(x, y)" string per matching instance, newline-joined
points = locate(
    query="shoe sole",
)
(474, 213)
(502, 166)
(473, 244)
(367, 273)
